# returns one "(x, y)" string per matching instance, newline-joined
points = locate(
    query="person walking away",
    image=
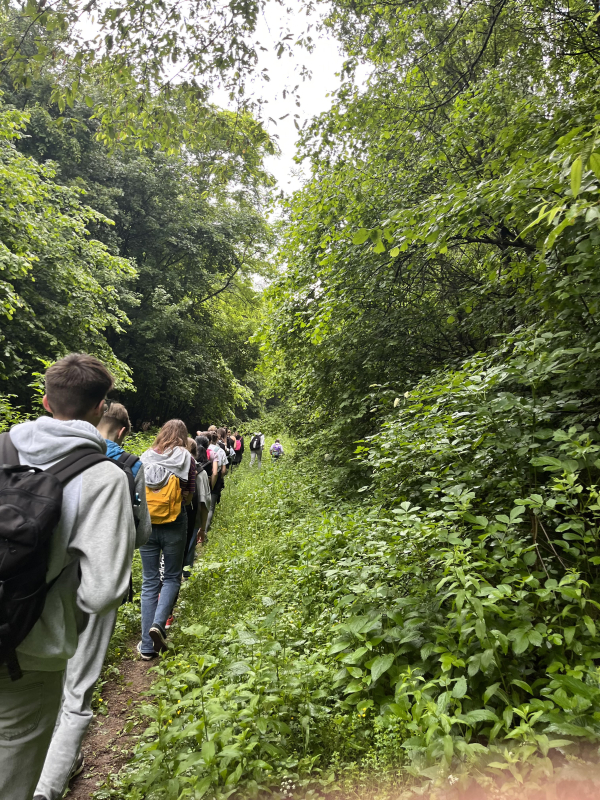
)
(238, 448)
(257, 444)
(202, 494)
(170, 475)
(64, 758)
(86, 564)
(222, 442)
(276, 450)
(217, 453)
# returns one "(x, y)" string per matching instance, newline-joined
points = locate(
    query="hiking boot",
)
(159, 637)
(146, 656)
(169, 622)
(78, 766)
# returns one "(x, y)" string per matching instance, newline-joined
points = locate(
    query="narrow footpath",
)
(111, 737)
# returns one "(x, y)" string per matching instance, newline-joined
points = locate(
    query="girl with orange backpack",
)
(170, 482)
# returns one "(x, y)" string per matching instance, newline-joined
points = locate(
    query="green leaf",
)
(590, 625)
(595, 164)
(576, 171)
(361, 236)
(490, 691)
(448, 748)
(460, 688)
(337, 647)
(380, 665)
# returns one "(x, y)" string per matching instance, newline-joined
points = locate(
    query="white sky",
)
(324, 62)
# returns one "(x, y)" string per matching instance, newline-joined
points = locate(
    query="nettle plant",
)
(491, 641)
(486, 644)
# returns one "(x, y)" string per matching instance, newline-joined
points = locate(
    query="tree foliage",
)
(146, 69)
(411, 247)
(192, 239)
(61, 290)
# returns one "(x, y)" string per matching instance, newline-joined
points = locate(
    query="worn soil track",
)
(110, 738)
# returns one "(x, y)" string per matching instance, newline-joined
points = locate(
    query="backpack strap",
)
(128, 460)
(8, 452)
(70, 466)
(76, 463)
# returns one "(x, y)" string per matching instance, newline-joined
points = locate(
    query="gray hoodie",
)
(92, 546)
(158, 467)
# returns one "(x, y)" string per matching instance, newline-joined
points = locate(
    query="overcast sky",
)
(324, 62)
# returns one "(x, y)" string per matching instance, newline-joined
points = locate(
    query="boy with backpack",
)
(64, 758)
(73, 556)
(257, 444)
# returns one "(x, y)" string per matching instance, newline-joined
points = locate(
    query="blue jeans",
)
(169, 538)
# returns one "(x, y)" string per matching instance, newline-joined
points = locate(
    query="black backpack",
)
(127, 461)
(30, 509)
(255, 443)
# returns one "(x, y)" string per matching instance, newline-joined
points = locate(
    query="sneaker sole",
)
(77, 770)
(146, 656)
(160, 643)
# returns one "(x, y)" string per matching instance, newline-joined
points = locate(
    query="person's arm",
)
(104, 538)
(144, 528)
(187, 490)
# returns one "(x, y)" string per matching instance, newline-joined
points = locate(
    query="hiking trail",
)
(111, 738)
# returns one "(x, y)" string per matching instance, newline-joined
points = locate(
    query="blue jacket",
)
(113, 450)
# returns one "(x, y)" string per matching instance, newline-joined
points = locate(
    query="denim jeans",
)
(169, 539)
(190, 554)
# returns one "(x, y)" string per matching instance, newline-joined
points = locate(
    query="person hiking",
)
(257, 444)
(170, 473)
(210, 466)
(88, 564)
(217, 453)
(276, 450)
(197, 530)
(64, 758)
(238, 448)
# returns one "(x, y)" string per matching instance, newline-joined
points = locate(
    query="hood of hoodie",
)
(47, 440)
(158, 467)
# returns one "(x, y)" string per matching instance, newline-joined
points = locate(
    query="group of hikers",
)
(74, 504)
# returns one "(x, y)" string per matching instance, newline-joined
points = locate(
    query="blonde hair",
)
(172, 434)
(116, 417)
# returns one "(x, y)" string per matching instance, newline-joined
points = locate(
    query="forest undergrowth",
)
(331, 647)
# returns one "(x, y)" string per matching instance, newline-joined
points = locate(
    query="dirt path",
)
(110, 739)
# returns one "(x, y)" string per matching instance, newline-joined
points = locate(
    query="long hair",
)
(201, 445)
(172, 434)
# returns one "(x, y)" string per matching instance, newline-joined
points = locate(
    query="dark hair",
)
(202, 441)
(117, 417)
(76, 384)
(222, 432)
(172, 434)
(214, 438)
(238, 436)
(191, 446)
